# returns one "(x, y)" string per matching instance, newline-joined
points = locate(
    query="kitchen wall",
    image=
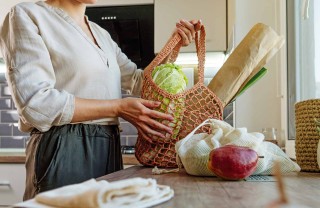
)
(10, 136)
(264, 104)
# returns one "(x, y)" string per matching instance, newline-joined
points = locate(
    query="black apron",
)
(70, 154)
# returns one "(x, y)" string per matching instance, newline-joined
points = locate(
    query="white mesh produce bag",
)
(193, 151)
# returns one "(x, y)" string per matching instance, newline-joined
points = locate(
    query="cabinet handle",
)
(5, 183)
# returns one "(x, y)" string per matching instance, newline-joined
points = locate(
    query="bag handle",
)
(173, 46)
(187, 138)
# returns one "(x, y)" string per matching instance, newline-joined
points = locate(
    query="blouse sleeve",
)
(131, 77)
(30, 74)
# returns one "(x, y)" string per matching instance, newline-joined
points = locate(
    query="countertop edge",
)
(12, 159)
(128, 159)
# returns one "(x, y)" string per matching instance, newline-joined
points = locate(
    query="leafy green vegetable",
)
(170, 78)
(253, 80)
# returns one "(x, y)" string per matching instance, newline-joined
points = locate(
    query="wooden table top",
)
(20, 157)
(197, 192)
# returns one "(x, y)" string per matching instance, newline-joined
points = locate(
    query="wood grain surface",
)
(194, 191)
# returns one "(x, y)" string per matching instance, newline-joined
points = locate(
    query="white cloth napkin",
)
(127, 193)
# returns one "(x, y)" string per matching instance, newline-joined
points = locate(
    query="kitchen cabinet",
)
(12, 183)
(213, 14)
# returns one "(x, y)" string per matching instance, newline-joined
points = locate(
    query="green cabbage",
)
(170, 78)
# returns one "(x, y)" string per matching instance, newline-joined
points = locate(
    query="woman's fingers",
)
(150, 131)
(184, 37)
(145, 136)
(153, 113)
(150, 103)
(187, 30)
(159, 115)
(140, 113)
(197, 24)
(147, 133)
(149, 120)
(185, 34)
(152, 126)
(157, 125)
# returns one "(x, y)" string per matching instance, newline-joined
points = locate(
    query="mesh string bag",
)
(188, 108)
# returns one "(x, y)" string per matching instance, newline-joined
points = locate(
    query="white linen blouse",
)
(50, 61)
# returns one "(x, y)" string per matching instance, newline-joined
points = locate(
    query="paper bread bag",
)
(252, 53)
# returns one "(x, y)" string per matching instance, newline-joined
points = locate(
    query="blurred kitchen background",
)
(293, 74)
(141, 30)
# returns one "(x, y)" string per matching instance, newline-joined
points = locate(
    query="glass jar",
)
(270, 135)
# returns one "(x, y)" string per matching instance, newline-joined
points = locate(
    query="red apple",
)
(232, 162)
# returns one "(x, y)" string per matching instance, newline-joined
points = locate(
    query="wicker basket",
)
(307, 136)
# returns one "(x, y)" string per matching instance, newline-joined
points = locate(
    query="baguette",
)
(252, 53)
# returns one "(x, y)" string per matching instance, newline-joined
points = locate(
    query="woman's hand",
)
(187, 30)
(140, 113)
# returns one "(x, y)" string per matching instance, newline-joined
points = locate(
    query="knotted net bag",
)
(189, 108)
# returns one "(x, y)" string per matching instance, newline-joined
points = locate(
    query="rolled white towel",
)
(134, 192)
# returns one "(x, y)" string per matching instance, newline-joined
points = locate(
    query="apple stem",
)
(261, 156)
